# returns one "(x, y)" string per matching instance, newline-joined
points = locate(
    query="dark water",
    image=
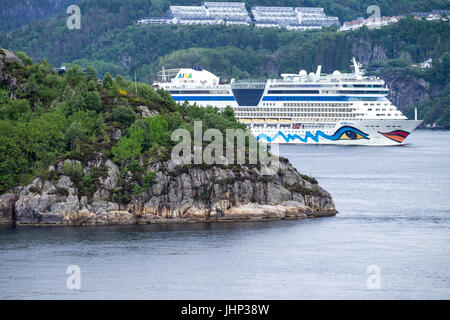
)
(394, 205)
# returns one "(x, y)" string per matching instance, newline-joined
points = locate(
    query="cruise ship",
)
(315, 108)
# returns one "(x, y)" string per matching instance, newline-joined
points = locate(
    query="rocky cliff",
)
(178, 193)
(7, 59)
(17, 13)
(406, 89)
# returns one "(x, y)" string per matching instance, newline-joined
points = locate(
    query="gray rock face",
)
(7, 80)
(406, 89)
(145, 112)
(180, 193)
(365, 52)
(65, 182)
(113, 175)
(7, 202)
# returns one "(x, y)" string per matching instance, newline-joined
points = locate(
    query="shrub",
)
(73, 170)
(124, 115)
(87, 186)
(148, 179)
(309, 178)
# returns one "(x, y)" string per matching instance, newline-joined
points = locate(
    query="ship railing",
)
(253, 85)
(323, 79)
(200, 87)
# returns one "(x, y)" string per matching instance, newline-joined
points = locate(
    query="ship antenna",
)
(319, 69)
(163, 75)
(356, 67)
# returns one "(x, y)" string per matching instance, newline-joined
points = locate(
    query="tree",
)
(75, 103)
(92, 101)
(91, 74)
(120, 81)
(127, 150)
(107, 81)
(18, 110)
(140, 130)
(174, 120)
(4, 97)
(74, 75)
(124, 115)
(228, 113)
(25, 59)
(158, 130)
(87, 120)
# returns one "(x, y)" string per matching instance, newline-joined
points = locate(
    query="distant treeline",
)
(109, 42)
(16, 13)
(231, 52)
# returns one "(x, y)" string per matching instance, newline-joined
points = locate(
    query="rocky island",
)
(79, 151)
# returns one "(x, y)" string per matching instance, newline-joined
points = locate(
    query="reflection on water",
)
(394, 213)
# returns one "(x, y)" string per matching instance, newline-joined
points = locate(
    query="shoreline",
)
(167, 221)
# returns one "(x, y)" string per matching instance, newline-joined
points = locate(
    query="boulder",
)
(110, 182)
(7, 202)
(145, 112)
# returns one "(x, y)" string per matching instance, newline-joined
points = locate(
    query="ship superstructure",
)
(339, 108)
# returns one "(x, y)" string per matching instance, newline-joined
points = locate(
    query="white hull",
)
(365, 132)
(339, 109)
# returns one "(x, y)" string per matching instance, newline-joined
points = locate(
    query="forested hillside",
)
(78, 151)
(110, 42)
(45, 116)
(16, 13)
(237, 51)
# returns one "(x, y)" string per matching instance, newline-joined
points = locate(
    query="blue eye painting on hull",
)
(343, 133)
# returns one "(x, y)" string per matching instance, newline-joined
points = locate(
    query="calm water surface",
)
(394, 205)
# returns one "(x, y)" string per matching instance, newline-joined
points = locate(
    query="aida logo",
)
(185, 75)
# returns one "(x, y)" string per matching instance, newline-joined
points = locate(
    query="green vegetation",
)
(237, 52)
(74, 117)
(16, 13)
(233, 52)
(309, 178)
(111, 44)
(117, 13)
(437, 109)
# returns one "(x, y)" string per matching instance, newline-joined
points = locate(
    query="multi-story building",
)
(315, 16)
(280, 15)
(226, 10)
(235, 13)
(230, 13)
(300, 18)
(371, 23)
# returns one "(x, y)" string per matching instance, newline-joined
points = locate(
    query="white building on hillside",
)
(315, 16)
(371, 23)
(235, 13)
(300, 18)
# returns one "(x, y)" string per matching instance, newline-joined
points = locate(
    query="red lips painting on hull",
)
(397, 135)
